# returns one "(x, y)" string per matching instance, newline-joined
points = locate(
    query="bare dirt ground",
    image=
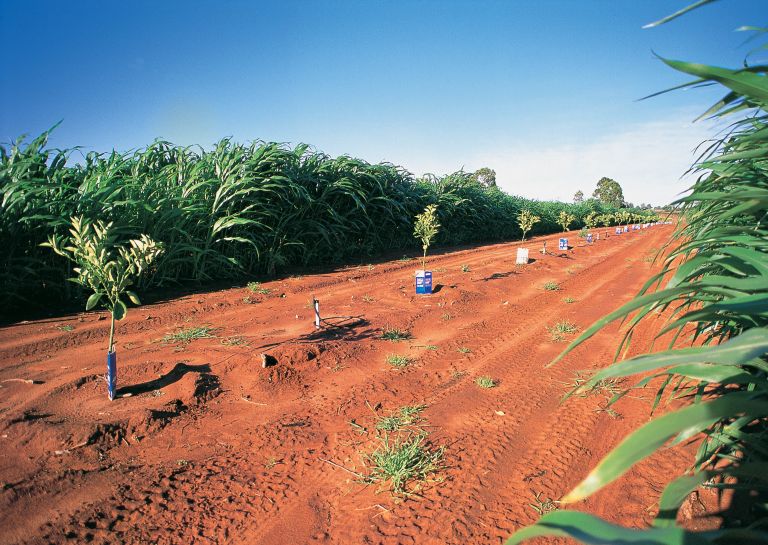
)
(209, 447)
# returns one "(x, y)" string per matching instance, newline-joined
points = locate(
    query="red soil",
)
(212, 448)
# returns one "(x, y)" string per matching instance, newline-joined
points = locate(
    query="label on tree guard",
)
(563, 245)
(589, 238)
(423, 281)
(522, 256)
(111, 374)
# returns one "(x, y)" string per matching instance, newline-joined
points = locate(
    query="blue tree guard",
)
(111, 374)
(563, 244)
(589, 238)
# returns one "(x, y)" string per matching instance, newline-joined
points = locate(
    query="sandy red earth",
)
(209, 447)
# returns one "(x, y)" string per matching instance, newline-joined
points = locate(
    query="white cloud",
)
(647, 159)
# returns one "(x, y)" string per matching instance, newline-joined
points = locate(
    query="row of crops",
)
(713, 291)
(237, 211)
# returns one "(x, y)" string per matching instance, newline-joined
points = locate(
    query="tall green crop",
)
(234, 211)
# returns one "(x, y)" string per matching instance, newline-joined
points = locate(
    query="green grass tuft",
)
(255, 287)
(394, 334)
(486, 382)
(399, 361)
(403, 461)
(189, 334)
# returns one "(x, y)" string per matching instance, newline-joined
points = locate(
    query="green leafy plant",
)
(395, 334)
(564, 219)
(256, 287)
(526, 220)
(551, 286)
(425, 229)
(402, 418)
(188, 334)
(591, 219)
(398, 361)
(465, 268)
(403, 461)
(485, 382)
(560, 329)
(105, 266)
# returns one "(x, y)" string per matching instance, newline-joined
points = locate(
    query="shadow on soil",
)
(348, 328)
(174, 375)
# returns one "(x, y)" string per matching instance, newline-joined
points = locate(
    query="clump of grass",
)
(486, 382)
(447, 316)
(395, 334)
(65, 327)
(560, 329)
(186, 335)
(255, 287)
(465, 268)
(456, 374)
(403, 461)
(431, 347)
(569, 300)
(248, 300)
(551, 286)
(464, 350)
(405, 416)
(405, 258)
(234, 341)
(399, 361)
(368, 299)
(607, 386)
(543, 505)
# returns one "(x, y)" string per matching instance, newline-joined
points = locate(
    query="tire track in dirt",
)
(503, 445)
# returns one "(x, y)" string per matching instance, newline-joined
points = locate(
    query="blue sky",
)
(545, 91)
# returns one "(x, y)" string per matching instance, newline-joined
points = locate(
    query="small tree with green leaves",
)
(104, 266)
(565, 219)
(605, 219)
(623, 217)
(590, 220)
(425, 229)
(526, 220)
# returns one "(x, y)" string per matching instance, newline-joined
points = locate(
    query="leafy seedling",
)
(560, 329)
(485, 382)
(551, 286)
(543, 505)
(399, 361)
(105, 266)
(255, 287)
(425, 229)
(526, 220)
(395, 335)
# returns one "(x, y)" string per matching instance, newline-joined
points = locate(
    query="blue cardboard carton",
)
(423, 281)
